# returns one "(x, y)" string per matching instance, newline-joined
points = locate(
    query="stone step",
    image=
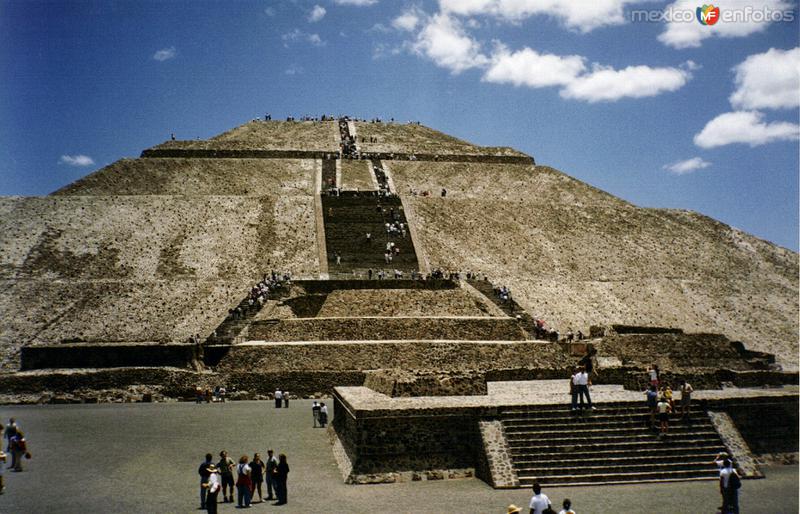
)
(602, 431)
(608, 469)
(593, 424)
(589, 418)
(566, 411)
(618, 479)
(533, 447)
(596, 438)
(707, 452)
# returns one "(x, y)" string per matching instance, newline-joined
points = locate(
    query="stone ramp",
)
(613, 444)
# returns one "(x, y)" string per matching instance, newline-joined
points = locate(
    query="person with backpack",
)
(729, 484)
(244, 485)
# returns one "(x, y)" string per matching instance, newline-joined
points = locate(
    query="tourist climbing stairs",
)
(241, 316)
(610, 445)
(349, 217)
(510, 307)
(329, 174)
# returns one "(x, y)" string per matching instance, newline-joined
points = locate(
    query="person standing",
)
(567, 504)
(244, 484)
(286, 399)
(272, 466)
(19, 449)
(281, 475)
(225, 467)
(663, 409)
(9, 432)
(204, 475)
(652, 402)
(278, 398)
(315, 412)
(729, 484)
(213, 488)
(323, 415)
(257, 475)
(539, 500)
(686, 399)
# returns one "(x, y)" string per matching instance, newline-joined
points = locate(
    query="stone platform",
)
(385, 439)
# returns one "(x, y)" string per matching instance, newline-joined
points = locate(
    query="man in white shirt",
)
(581, 382)
(278, 398)
(539, 500)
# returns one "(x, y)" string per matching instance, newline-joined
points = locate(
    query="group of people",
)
(319, 411)
(347, 146)
(248, 476)
(540, 504)
(201, 395)
(260, 292)
(660, 401)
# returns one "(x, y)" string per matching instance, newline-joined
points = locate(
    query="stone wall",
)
(371, 329)
(111, 356)
(441, 357)
(408, 441)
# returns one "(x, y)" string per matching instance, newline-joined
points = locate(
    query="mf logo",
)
(708, 14)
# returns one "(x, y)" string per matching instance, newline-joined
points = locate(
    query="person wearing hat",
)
(513, 509)
(213, 487)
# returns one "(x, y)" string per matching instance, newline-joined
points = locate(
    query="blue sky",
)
(661, 113)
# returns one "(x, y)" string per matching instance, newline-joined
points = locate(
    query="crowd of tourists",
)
(660, 401)
(247, 476)
(260, 292)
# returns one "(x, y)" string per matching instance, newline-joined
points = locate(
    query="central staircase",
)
(611, 445)
(348, 218)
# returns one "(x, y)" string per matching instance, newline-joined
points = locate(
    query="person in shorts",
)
(225, 467)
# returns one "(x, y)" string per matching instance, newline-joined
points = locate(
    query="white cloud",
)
(582, 16)
(605, 84)
(355, 2)
(408, 20)
(294, 70)
(684, 31)
(687, 166)
(444, 41)
(165, 54)
(76, 160)
(744, 127)
(527, 67)
(269, 11)
(316, 14)
(298, 35)
(768, 81)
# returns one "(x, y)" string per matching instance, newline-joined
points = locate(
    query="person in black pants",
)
(282, 473)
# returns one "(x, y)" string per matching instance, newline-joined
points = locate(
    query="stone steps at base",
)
(534, 447)
(620, 477)
(666, 453)
(572, 439)
(546, 412)
(599, 469)
(606, 428)
(585, 420)
(525, 483)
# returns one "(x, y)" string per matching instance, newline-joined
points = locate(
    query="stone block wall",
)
(366, 329)
(111, 356)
